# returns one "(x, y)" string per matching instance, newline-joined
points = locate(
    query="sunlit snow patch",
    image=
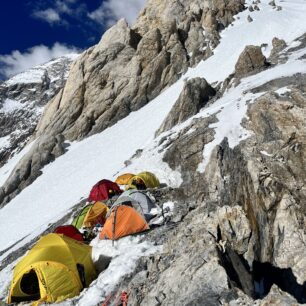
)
(10, 106)
(283, 90)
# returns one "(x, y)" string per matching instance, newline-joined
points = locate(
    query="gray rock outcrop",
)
(278, 45)
(130, 66)
(249, 18)
(195, 95)
(250, 60)
(272, 3)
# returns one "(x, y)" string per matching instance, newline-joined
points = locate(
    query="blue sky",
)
(34, 31)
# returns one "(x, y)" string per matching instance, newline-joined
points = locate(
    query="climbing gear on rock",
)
(123, 299)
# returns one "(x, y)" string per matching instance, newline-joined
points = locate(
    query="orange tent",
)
(123, 179)
(123, 221)
(96, 214)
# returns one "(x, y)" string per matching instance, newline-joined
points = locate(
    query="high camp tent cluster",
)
(60, 265)
(129, 214)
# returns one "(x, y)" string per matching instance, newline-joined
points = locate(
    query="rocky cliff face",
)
(128, 68)
(239, 228)
(22, 100)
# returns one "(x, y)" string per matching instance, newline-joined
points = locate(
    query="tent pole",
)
(114, 224)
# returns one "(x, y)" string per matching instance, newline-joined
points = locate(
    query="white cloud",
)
(54, 15)
(112, 10)
(16, 62)
(62, 7)
(49, 15)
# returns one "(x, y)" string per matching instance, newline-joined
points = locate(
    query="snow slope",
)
(71, 176)
(287, 24)
(36, 74)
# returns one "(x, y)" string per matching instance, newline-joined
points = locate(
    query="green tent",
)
(79, 219)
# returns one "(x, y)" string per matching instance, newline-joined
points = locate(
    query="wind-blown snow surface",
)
(70, 177)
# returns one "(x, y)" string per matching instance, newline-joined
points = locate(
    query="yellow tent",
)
(55, 269)
(147, 178)
(96, 214)
(123, 179)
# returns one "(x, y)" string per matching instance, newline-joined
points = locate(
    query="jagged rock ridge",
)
(130, 66)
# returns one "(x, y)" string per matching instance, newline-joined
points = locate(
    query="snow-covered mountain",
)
(224, 129)
(22, 100)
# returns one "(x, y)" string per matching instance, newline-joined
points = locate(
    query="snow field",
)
(10, 105)
(4, 142)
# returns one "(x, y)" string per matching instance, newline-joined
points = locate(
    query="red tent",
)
(103, 190)
(70, 231)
